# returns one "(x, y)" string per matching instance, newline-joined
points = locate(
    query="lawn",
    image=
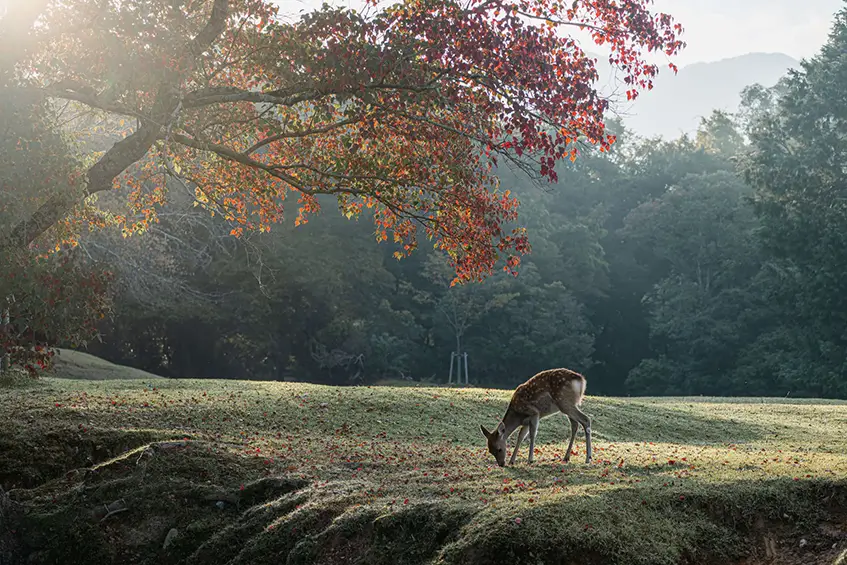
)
(189, 471)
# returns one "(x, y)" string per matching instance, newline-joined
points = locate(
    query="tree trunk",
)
(458, 358)
(99, 178)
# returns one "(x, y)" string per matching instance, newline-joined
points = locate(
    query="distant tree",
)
(646, 169)
(459, 308)
(718, 134)
(796, 165)
(703, 230)
(542, 325)
(402, 110)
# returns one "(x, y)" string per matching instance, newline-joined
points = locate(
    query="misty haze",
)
(423, 282)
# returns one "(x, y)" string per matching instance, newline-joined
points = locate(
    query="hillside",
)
(677, 102)
(70, 364)
(171, 471)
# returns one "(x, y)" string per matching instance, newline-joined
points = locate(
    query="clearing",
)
(159, 471)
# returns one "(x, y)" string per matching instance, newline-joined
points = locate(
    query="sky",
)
(719, 29)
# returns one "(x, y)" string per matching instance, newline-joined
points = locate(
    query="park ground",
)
(129, 468)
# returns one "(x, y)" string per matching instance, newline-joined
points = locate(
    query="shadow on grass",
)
(624, 421)
(647, 526)
(224, 513)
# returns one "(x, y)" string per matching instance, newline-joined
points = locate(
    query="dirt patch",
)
(122, 510)
(28, 460)
(782, 544)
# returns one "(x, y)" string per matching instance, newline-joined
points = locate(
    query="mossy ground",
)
(251, 472)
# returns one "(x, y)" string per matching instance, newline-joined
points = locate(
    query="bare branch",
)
(223, 95)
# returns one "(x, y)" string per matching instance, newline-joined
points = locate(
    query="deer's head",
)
(496, 443)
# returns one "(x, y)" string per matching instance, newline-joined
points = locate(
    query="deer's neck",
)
(511, 421)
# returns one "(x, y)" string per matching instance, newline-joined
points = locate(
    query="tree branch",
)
(227, 153)
(84, 95)
(212, 30)
(561, 22)
(294, 182)
(303, 133)
(293, 95)
(223, 95)
(124, 153)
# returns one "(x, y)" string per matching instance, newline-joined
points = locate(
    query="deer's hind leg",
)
(574, 429)
(574, 413)
(522, 433)
(580, 417)
(533, 431)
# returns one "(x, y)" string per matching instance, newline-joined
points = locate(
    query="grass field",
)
(70, 364)
(248, 472)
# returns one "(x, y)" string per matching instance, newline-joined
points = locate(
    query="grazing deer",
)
(548, 392)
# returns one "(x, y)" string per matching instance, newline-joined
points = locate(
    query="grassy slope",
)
(399, 475)
(70, 364)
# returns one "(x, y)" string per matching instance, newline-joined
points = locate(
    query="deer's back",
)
(544, 392)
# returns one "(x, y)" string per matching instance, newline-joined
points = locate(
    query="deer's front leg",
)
(533, 429)
(521, 435)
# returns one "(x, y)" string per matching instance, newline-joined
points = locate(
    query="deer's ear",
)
(485, 432)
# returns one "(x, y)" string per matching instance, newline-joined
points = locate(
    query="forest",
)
(711, 264)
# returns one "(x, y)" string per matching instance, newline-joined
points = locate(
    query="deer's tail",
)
(578, 385)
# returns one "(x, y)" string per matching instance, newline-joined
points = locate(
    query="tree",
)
(542, 325)
(403, 111)
(47, 296)
(460, 307)
(719, 135)
(646, 169)
(703, 231)
(796, 166)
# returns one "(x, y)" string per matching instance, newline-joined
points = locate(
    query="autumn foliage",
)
(50, 299)
(402, 112)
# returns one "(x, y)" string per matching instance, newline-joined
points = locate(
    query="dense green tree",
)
(797, 166)
(543, 325)
(702, 230)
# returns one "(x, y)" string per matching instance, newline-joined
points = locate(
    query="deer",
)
(544, 394)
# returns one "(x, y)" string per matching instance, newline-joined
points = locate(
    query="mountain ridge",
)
(677, 102)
